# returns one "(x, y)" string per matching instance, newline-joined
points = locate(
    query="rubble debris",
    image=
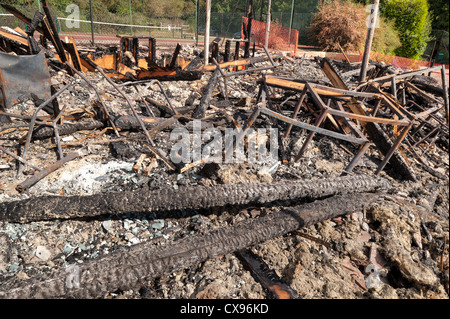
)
(394, 249)
(115, 109)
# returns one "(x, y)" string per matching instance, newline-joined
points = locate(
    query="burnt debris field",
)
(135, 171)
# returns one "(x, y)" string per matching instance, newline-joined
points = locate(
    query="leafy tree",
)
(440, 14)
(412, 20)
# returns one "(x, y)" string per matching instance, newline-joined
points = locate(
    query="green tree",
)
(412, 20)
(440, 14)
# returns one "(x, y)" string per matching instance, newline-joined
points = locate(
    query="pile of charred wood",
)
(398, 113)
(395, 112)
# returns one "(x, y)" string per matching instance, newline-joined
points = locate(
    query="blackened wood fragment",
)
(127, 267)
(384, 143)
(188, 197)
(122, 122)
(200, 111)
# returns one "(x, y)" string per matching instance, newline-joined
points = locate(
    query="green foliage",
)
(412, 20)
(59, 5)
(386, 39)
(440, 14)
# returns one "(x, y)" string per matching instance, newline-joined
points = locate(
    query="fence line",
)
(223, 24)
(123, 25)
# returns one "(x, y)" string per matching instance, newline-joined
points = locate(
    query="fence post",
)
(445, 91)
(92, 22)
(196, 22)
(131, 18)
(207, 27)
(249, 29)
(368, 45)
(292, 18)
(226, 58)
(261, 11)
(266, 39)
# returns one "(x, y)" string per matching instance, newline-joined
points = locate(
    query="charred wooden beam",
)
(71, 47)
(121, 122)
(200, 111)
(195, 64)
(135, 49)
(384, 144)
(11, 42)
(59, 45)
(332, 74)
(38, 17)
(152, 50)
(19, 15)
(330, 92)
(46, 171)
(238, 62)
(130, 267)
(445, 93)
(227, 55)
(57, 207)
(343, 53)
(236, 50)
(214, 51)
(175, 56)
(162, 107)
(44, 30)
(167, 74)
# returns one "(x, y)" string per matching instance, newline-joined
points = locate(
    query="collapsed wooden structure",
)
(393, 113)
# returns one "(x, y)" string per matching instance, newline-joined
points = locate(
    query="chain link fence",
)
(280, 38)
(106, 33)
(73, 18)
(437, 48)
